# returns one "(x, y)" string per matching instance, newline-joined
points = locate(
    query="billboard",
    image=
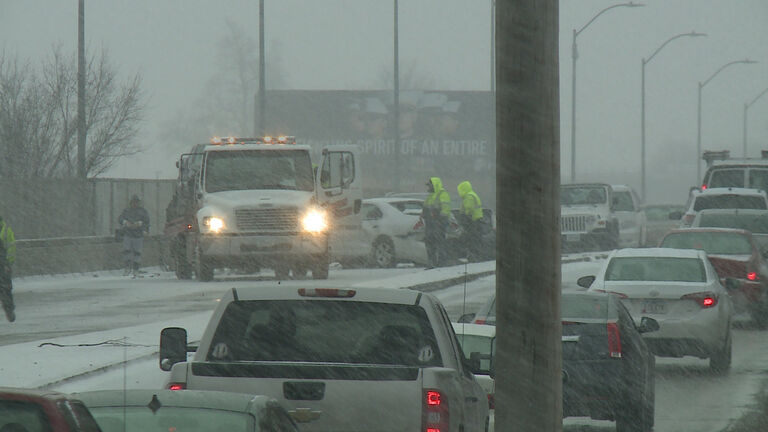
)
(449, 134)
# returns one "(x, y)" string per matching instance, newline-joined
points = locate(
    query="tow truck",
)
(248, 203)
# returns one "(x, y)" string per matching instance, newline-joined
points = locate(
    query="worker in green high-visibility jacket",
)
(471, 220)
(436, 215)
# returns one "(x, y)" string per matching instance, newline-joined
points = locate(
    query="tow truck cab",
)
(258, 202)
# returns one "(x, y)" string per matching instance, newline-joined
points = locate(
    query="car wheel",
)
(182, 268)
(281, 271)
(720, 360)
(204, 269)
(384, 252)
(299, 271)
(320, 267)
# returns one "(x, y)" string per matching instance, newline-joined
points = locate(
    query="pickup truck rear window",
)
(325, 331)
(729, 202)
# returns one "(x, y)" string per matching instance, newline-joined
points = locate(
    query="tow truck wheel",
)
(281, 272)
(299, 271)
(320, 267)
(204, 270)
(182, 268)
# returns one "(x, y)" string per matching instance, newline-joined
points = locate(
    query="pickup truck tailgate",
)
(323, 397)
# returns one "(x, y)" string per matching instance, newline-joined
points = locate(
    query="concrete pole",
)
(528, 328)
(81, 132)
(744, 150)
(698, 137)
(262, 96)
(642, 132)
(574, 56)
(396, 107)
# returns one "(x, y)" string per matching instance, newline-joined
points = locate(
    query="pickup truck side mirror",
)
(585, 281)
(648, 325)
(466, 318)
(173, 347)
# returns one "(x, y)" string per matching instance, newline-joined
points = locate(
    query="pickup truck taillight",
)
(688, 219)
(434, 414)
(177, 386)
(614, 340)
(491, 401)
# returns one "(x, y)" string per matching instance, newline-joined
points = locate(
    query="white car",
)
(680, 289)
(723, 198)
(478, 342)
(393, 230)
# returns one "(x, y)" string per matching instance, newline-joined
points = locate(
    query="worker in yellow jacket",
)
(471, 220)
(7, 258)
(436, 215)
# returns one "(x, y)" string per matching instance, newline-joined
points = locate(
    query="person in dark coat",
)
(134, 222)
(7, 258)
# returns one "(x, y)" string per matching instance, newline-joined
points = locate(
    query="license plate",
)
(655, 308)
(572, 237)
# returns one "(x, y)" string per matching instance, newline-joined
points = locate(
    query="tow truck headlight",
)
(315, 221)
(213, 223)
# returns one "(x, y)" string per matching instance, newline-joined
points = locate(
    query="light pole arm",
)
(749, 104)
(691, 34)
(630, 4)
(705, 82)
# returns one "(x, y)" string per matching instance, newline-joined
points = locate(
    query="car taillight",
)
(703, 187)
(419, 225)
(752, 276)
(177, 386)
(480, 321)
(614, 340)
(434, 415)
(688, 219)
(491, 401)
(704, 299)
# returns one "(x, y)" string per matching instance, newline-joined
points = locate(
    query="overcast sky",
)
(347, 44)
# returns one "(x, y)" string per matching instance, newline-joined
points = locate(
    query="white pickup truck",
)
(336, 359)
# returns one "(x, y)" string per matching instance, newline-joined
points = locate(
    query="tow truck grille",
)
(268, 219)
(573, 223)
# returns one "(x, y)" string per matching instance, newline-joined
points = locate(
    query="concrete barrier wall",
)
(79, 255)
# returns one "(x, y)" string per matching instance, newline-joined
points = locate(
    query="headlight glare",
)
(315, 221)
(213, 223)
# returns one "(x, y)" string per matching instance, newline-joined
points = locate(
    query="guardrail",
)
(79, 255)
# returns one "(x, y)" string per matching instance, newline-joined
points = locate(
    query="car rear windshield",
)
(584, 306)
(167, 418)
(713, 243)
(26, 414)
(663, 269)
(757, 223)
(325, 331)
(729, 202)
(758, 178)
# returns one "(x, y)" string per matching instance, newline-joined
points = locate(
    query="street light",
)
(642, 104)
(574, 56)
(746, 107)
(698, 122)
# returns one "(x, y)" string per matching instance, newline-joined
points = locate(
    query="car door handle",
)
(471, 399)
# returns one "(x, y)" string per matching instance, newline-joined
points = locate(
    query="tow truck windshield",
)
(258, 169)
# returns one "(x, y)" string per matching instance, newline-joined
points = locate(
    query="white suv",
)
(723, 198)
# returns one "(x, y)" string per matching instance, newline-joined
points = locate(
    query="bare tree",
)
(226, 104)
(38, 110)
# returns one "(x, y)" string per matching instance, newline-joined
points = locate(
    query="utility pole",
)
(528, 327)
(81, 174)
(396, 127)
(262, 97)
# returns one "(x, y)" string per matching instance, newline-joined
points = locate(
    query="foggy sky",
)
(347, 44)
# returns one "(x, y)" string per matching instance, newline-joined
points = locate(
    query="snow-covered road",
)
(688, 397)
